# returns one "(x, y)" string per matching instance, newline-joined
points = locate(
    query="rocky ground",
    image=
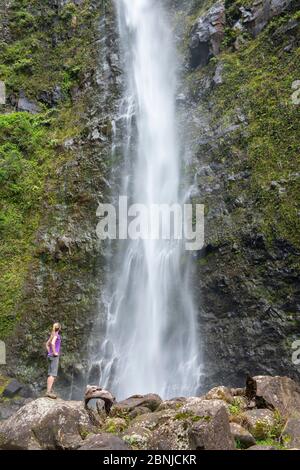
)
(265, 415)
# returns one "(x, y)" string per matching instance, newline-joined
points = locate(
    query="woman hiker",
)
(53, 349)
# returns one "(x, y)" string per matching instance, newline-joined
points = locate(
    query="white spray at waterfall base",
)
(151, 338)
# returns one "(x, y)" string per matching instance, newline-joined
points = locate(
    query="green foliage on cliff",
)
(23, 165)
(49, 47)
(47, 57)
(254, 102)
(258, 81)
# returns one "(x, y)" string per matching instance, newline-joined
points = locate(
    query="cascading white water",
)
(151, 330)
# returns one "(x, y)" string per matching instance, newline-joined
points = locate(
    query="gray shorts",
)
(53, 365)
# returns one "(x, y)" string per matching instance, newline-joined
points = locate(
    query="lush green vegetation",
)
(24, 160)
(258, 80)
(235, 408)
(46, 52)
(256, 98)
(266, 431)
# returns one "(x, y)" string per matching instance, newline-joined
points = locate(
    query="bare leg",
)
(50, 382)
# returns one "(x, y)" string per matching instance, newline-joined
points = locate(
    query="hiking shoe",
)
(51, 395)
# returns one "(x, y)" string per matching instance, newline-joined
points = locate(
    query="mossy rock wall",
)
(243, 133)
(54, 164)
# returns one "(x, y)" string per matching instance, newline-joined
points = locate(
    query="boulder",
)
(139, 410)
(207, 35)
(104, 441)
(170, 432)
(278, 393)
(211, 429)
(242, 436)
(259, 422)
(150, 401)
(173, 404)
(291, 433)
(45, 424)
(220, 393)
(93, 392)
(115, 425)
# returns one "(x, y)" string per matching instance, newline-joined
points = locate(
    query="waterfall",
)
(151, 338)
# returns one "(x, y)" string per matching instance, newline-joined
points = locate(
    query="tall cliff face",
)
(239, 98)
(58, 64)
(240, 120)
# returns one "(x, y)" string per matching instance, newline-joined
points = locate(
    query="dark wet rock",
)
(288, 30)
(207, 35)
(104, 441)
(241, 435)
(51, 98)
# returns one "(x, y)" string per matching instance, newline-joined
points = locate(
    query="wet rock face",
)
(246, 276)
(206, 36)
(67, 268)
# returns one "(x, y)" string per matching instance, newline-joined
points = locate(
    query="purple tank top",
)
(57, 345)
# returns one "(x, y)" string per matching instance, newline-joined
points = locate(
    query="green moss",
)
(24, 160)
(188, 415)
(258, 80)
(4, 381)
(271, 442)
(50, 48)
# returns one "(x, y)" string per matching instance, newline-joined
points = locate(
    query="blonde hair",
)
(56, 327)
